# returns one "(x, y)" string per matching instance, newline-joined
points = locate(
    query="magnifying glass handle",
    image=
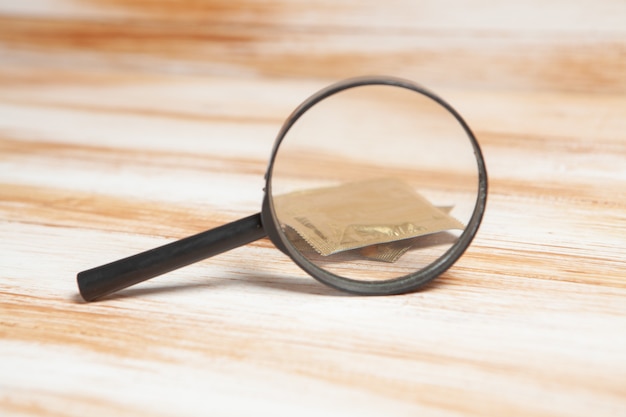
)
(107, 279)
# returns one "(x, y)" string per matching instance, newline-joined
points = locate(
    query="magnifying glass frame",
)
(402, 284)
(106, 279)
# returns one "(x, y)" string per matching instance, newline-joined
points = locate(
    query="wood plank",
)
(127, 124)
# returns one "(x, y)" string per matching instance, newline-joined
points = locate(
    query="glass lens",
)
(374, 182)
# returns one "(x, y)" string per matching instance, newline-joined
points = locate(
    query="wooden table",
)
(125, 124)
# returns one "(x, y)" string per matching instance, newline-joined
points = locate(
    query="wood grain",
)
(125, 124)
(535, 45)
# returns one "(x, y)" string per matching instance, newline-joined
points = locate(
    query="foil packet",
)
(379, 217)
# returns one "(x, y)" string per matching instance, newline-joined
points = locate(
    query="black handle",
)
(107, 279)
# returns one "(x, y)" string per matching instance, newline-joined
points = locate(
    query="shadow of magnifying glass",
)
(375, 186)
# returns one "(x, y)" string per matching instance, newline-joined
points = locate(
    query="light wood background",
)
(127, 123)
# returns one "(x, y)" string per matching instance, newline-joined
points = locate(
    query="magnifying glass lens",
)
(373, 182)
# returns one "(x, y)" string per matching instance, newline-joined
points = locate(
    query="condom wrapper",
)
(380, 217)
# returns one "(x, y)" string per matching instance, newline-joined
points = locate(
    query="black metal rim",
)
(402, 284)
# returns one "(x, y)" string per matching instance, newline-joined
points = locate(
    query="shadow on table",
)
(301, 285)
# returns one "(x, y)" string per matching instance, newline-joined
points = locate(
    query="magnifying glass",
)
(375, 186)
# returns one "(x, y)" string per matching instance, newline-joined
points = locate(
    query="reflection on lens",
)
(374, 182)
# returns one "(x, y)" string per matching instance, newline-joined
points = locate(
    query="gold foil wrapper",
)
(380, 217)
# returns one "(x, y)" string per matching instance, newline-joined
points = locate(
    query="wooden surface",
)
(125, 124)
